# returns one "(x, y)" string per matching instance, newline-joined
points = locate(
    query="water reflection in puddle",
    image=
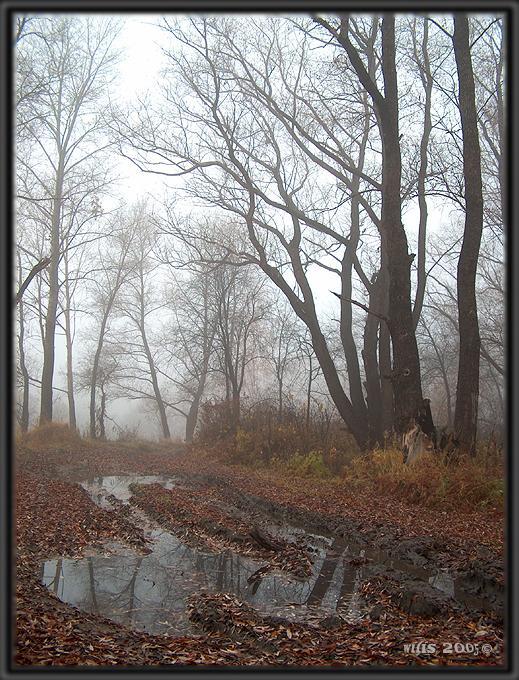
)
(100, 488)
(150, 592)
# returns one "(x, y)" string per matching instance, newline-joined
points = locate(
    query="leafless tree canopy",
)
(325, 227)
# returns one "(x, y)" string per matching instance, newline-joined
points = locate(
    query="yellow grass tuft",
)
(53, 435)
(432, 480)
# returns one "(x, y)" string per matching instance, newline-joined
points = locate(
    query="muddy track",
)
(400, 604)
(479, 586)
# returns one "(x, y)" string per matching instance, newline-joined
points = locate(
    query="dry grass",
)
(53, 435)
(138, 445)
(432, 480)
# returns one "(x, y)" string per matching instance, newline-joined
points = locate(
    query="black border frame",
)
(7, 9)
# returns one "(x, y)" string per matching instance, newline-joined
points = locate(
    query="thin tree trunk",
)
(68, 337)
(50, 319)
(154, 380)
(102, 414)
(24, 418)
(467, 394)
(309, 396)
(444, 375)
(95, 371)
(151, 363)
(427, 82)
(384, 354)
(280, 399)
(371, 364)
(346, 321)
(23, 285)
(192, 416)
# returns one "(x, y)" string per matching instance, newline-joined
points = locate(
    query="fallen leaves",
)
(55, 516)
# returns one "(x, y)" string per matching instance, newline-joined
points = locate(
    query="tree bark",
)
(384, 354)
(191, 419)
(346, 320)
(156, 389)
(467, 395)
(407, 385)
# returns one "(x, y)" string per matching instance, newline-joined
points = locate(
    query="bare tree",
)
(115, 266)
(242, 193)
(138, 302)
(239, 307)
(283, 345)
(24, 373)
(76, 57)
(190, 342)
(406, 364)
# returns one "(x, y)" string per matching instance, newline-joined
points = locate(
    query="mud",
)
(154, 592)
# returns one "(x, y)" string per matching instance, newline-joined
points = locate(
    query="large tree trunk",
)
(405, 376)
(407, 385)
(467, 395)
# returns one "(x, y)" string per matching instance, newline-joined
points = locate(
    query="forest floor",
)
(216, 507)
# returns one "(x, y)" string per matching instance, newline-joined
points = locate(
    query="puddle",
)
(151, 592)
(100, 488)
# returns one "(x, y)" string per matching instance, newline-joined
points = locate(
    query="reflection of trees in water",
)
(143, 591)
(58, 573)
(337, 581)
(95, 607)
(100, 487)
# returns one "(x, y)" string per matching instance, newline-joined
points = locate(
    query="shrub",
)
(127, 433)
(215, 422)
(262, 436)
(308, 465)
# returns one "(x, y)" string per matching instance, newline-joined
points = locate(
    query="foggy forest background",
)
(282, 159)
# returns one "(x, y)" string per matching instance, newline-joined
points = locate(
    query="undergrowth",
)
(54, 435)
(433, 480)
